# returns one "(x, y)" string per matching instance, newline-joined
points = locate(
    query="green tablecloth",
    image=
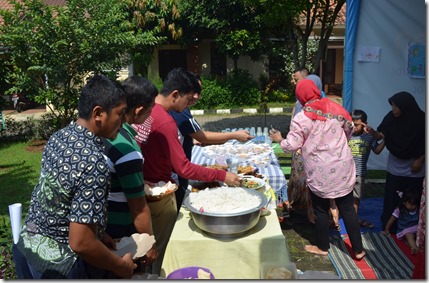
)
(239, 258)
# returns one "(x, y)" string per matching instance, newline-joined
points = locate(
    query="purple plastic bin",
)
(190, 272)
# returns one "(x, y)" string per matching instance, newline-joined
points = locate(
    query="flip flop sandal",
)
(366, 224)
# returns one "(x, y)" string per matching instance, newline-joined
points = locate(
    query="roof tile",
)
(5, 4)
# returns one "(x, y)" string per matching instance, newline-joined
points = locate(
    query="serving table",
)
(273, 171)
(227, 258)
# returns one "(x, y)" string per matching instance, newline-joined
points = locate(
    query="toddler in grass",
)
(407, 215)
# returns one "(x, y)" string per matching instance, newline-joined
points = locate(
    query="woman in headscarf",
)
(403, 130)
(298, 195)
(322, 130)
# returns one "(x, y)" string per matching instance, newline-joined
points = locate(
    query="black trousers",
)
(348, 213)
(391, 199)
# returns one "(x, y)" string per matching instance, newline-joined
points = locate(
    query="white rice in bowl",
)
(223, 200)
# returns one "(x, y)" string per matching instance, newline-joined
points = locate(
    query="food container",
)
(170, 189)
(228, 225)
(191, 272)
(259, 184)
(275, 270)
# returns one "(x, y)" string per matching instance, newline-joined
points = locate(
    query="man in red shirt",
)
(163, 153)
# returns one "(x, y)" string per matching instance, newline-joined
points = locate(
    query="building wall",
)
(198, 61)
(245, 63)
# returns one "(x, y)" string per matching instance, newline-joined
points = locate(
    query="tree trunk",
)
(235, 63)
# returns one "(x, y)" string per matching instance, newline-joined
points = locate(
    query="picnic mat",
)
(384, 258)
(370, 210)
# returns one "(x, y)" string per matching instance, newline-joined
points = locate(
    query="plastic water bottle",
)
(266, 132)
(234, 165)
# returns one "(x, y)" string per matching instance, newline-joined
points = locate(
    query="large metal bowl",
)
(228, 224)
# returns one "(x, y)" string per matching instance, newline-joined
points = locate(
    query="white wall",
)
(390, 25)
(245, 63)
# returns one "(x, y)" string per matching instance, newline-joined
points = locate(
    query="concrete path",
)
(209, 122)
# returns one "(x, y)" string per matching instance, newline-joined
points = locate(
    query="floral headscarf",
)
(317, 108)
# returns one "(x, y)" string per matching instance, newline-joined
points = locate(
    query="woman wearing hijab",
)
(318, 82)
(322, 130)
(403, 130)
(298, 195)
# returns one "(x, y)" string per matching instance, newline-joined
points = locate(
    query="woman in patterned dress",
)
(322, 130)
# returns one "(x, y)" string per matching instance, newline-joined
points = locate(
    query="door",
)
(170, 59)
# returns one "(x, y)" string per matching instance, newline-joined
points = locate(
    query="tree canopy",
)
(54, 49)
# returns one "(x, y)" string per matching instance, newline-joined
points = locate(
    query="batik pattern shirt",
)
(73, 187)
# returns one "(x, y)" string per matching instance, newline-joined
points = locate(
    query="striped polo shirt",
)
(126, 167)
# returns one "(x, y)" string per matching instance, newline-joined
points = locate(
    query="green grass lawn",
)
(19, 172)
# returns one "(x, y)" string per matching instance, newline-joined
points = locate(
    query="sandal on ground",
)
(366, 224)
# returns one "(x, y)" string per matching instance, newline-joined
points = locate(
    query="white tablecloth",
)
(239, 258)
(275, 175)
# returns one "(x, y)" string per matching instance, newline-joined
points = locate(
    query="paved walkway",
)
(22, 116)
(210, 122)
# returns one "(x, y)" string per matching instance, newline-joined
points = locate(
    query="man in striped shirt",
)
(128, 212)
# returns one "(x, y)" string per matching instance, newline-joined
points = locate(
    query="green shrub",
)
(238, 89)
(243, 88)
(17, 130)
(45, 127)
(30, 129)
(155, 79)
(213, 95)
(281, 96)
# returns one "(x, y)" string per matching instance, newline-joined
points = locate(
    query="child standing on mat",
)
(362, 142)
(407, 215)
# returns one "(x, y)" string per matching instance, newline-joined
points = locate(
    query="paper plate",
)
(171, 189)
(137, 245)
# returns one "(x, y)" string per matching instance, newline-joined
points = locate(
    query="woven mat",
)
(383, 260)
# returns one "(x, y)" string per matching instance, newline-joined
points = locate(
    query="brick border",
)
(244, 110)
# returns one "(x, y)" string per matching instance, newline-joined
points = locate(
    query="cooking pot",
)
(228, 224)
